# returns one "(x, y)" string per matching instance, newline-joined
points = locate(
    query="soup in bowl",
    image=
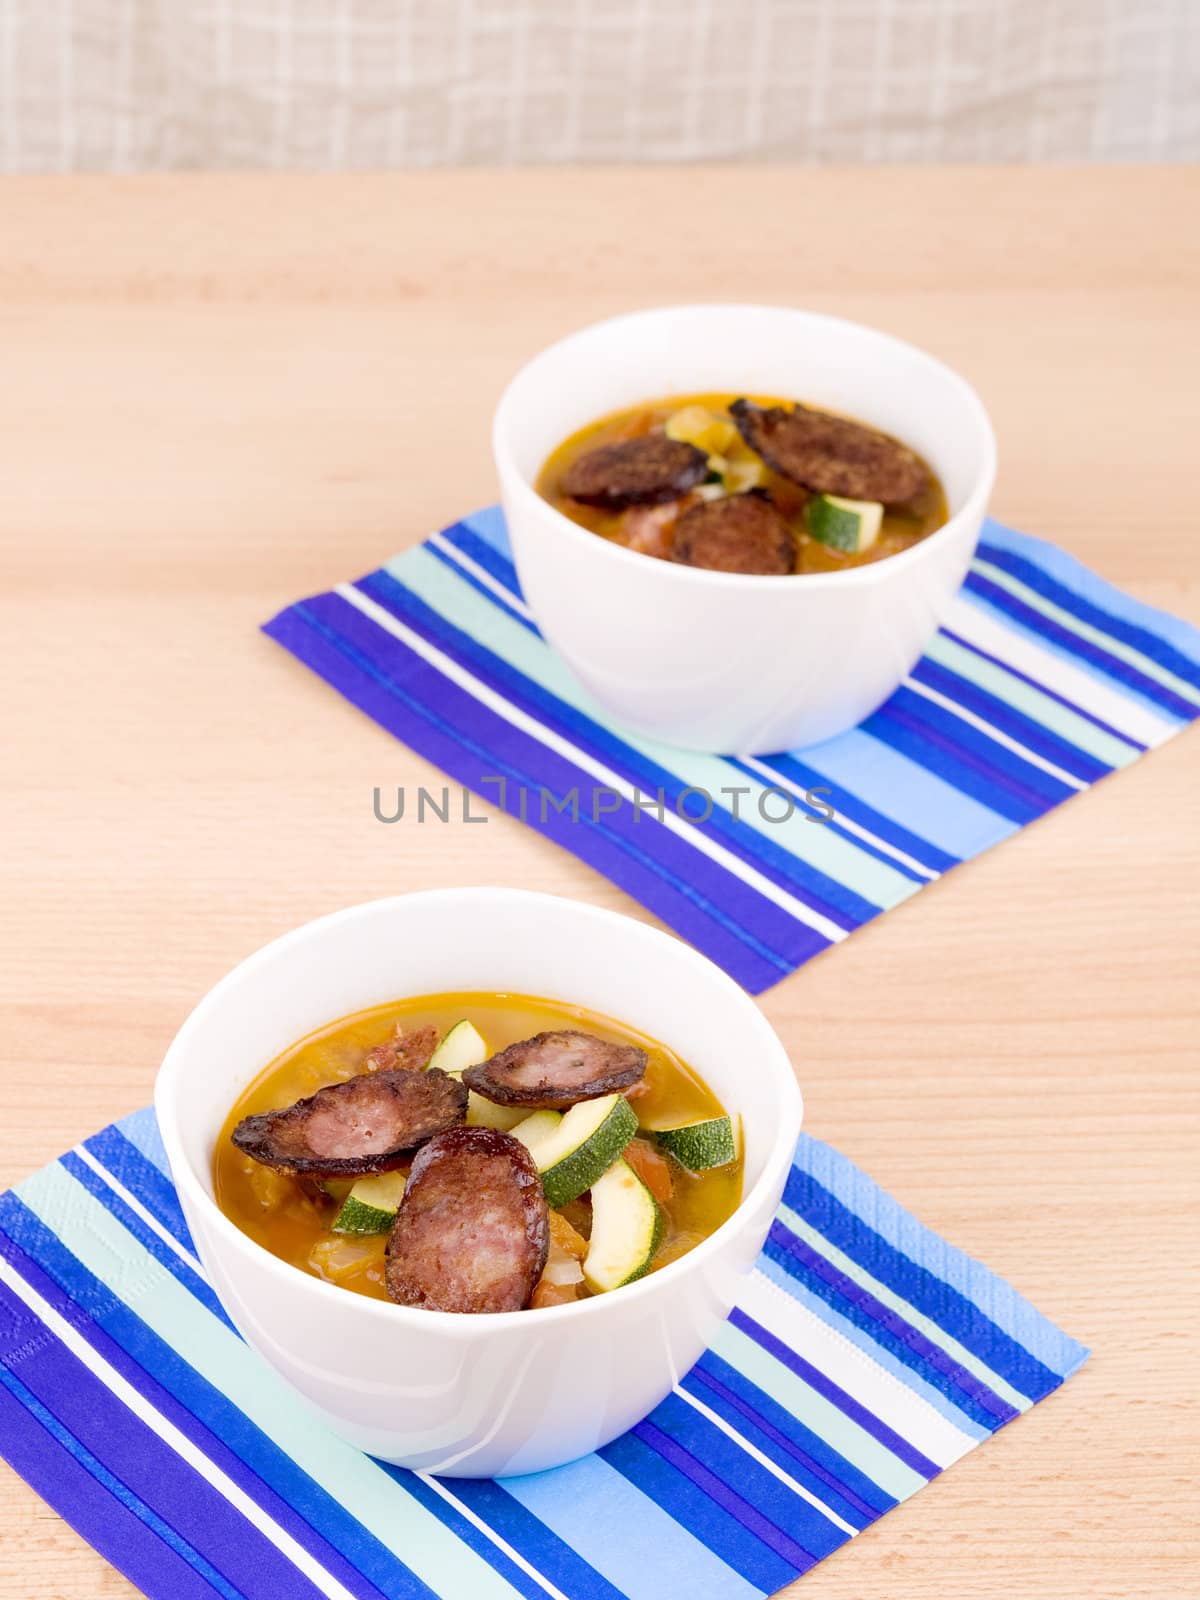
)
(795, 591)
(507, 1370)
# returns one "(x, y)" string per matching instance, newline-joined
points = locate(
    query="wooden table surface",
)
(221, 393)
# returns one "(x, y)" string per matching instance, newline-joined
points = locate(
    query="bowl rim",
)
(449, 1323)
(874, 572)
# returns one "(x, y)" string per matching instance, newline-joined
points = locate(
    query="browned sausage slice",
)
(830, 454)
(556, 1069)
(636, 472)
(367, 1124)
(472, 1231)
(410, 1050)
(741, 533)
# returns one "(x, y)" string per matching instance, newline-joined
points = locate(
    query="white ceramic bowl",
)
(502, 1393)
(726, 662)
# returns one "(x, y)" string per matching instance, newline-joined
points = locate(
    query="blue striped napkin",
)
(1044, 679)
(865, 1355)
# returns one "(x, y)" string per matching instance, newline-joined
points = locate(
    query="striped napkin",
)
(1043, 680)
(865, 1355)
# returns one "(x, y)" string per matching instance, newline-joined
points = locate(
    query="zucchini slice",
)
(849, 525)
(462, 1047)
(483, 1113)
(371, 1205)
(698, 1146)
(626, 1228)
(573, 1150)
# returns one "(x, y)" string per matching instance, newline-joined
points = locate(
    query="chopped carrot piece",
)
(652, 1168)
(565, 1237)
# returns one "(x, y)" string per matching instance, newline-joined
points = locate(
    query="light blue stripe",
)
(997, 1299)
(1170, 719)
(1072, 574)
(141, 1129)
(883, 1358)
(489, 524)
(908, 793)
(623, 1534)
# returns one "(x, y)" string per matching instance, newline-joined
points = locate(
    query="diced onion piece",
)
(342, 1256)
(742, 475)
(563, 1270)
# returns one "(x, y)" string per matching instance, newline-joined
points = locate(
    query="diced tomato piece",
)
(652, 1168)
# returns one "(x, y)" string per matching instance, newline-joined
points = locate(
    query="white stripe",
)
(481, 574)
(765, 1461)
(995, 734)
(1089, 632)
(519, 719)
(171, 1436)
(981, 627)
(135, 1205)
(874, 1387)
(843, 822)
(503, 1545)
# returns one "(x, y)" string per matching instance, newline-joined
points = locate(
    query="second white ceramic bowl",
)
(725, 662)
(502, 1393)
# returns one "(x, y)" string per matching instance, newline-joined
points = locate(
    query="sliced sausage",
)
(412, 1050)
(556, 1069)
(740, 533)
(472, 1232)
(367, 1124)
(831, 454)
(636, 472)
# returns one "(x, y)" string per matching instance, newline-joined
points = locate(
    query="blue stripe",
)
(887, 1327)
(805, 1454)
(686, 1503)
(1046, 1343)
(1087, 585)
(95, 1503)
(703, 885)
(498, 567)
(490, 595)
(1136, 635)
(930, 1294)
(988, 755)
(828, 1313)
(463, 1528)
(141, 1129)
(450, 738)
(835, 1394)
(898, 785)
(120, 1156)
(558, 1563)
(1044, 629)
(1042, 688)
(1006, 719)
(787, 1511)
(855, 809)
(488, 524)
(146, 1237)
(310, 1514)
(903, 726)
(806, 882)
(132, 1453)
(587, 1500)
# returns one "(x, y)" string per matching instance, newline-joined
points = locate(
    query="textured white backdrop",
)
(313, 84)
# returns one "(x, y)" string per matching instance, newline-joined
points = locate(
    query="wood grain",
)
(223, 392)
